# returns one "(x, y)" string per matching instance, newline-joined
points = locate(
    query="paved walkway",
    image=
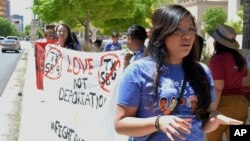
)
(10, 102)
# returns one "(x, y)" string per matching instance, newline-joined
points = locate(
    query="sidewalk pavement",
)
(11, 101)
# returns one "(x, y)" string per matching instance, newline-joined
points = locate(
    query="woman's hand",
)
(127, 58)
(217, 116)
(173, 125)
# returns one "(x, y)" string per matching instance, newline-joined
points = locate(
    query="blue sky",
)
(22, 7)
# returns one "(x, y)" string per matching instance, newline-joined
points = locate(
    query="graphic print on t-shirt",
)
(169, 92)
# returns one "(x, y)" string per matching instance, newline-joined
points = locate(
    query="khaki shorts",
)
(234, 106)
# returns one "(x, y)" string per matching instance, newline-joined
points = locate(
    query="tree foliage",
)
(27, 30)
(7, 28)
(108, 15)
(160, 3)
(214, 17)
(237, 25)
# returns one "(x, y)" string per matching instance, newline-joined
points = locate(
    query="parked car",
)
(15, 38)
(10, 45)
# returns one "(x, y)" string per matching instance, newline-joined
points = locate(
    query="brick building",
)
(3, 8)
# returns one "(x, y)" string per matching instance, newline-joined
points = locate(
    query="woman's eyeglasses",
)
(183, 31)
(61, 31)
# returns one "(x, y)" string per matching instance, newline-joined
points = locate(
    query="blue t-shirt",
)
(137, 55)
(136, 89)
(112, 46)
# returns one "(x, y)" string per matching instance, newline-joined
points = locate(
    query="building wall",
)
(3, 8)
(199, 7)
(8, 9)
(233, 7)
(17, 21)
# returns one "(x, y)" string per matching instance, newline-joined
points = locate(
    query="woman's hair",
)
(165, 21)
(238, 58)
(98, 43)
(74, 38)
(69, 41)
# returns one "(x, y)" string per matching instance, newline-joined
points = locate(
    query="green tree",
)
(27, 30)
(142, 11)
(160, 3)
(7, 28)
(214, 17)
(237, 25)
(108, 15)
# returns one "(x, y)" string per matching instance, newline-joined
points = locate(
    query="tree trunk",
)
(246, 25)
(87, 28)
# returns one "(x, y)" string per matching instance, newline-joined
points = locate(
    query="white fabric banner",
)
(80, 90)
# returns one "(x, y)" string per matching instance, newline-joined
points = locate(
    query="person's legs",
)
(235, 106)
(239, 110)
(227, 133)
(217, 134)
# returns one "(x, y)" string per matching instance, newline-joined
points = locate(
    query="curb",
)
(11, 101)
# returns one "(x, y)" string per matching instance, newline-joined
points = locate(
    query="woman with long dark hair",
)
(169, 70)
(229, 68)
(64, 37)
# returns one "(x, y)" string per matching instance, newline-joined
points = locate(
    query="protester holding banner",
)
(48, 38)
(48, 35)
(228, 68)
(64, 37)
(135, 38)
(169, 70)
(40, 55)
